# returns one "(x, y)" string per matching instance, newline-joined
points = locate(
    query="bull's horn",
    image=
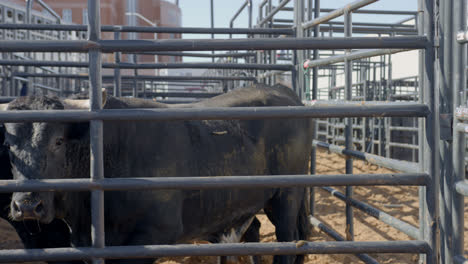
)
(82, 103)
(3, 107)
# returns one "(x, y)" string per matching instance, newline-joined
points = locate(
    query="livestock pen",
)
(440, 112)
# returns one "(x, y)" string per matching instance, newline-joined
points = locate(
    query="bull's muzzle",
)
(27, 209)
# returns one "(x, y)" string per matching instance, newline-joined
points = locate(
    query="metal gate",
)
(441, 207)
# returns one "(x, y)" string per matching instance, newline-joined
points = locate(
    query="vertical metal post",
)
(415, 124)
(313, 153)
(459, 98)
(212, 24)
(29, 5)
(421, 153)
(445, 145)
(96, 128)
(431, 135)
(269, 52)
(348, 127)
(250, 7)
(5, 84)
(388, 135)
(380, 97)
(258, 58)
(363, 75)
(31, 88)
(372, 97)
(299, 54)
(332, 95)
(117, 75)
(135, 80)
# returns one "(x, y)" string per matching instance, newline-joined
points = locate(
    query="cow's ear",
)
(82, 103)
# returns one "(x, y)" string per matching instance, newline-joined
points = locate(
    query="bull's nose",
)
(28, 209)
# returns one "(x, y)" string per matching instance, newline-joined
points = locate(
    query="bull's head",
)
(44, 151)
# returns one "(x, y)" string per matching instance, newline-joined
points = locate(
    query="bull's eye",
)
(7, 145)
(59, 141)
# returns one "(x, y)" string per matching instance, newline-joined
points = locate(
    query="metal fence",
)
(439, 171)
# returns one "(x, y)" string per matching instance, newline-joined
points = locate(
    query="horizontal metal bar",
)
(400, 42)
(200, 55)
(351, 56)
(356, 141)
(403, 145)
(394, 222)
(140, 29)
(408, 129)
(338, 12)
(462, 187)
(129, 81)
(273, 12)
(181, 83)
(20, 79)
(269, 74)
(382, 25)
(364, 11)
(337, 102)
(335, 235)
(369, 30)
(361, 29)
(204, 183)
(215, 113)
(393, 164)
(123, 65)
(342, 86)
(138, 77)
(410, 97)
(344, 126)
(228, 249)
(47, 87)
(396, 25)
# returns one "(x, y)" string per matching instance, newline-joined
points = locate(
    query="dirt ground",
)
(401, 202)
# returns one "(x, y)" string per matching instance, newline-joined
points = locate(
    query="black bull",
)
(164, 149)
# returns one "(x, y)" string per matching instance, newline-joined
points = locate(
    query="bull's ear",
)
(3, 107)
(82, 103)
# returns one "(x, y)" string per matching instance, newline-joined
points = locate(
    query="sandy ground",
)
(401, 202)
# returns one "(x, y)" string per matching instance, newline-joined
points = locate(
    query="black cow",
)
(32, 233)
(161, 149)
